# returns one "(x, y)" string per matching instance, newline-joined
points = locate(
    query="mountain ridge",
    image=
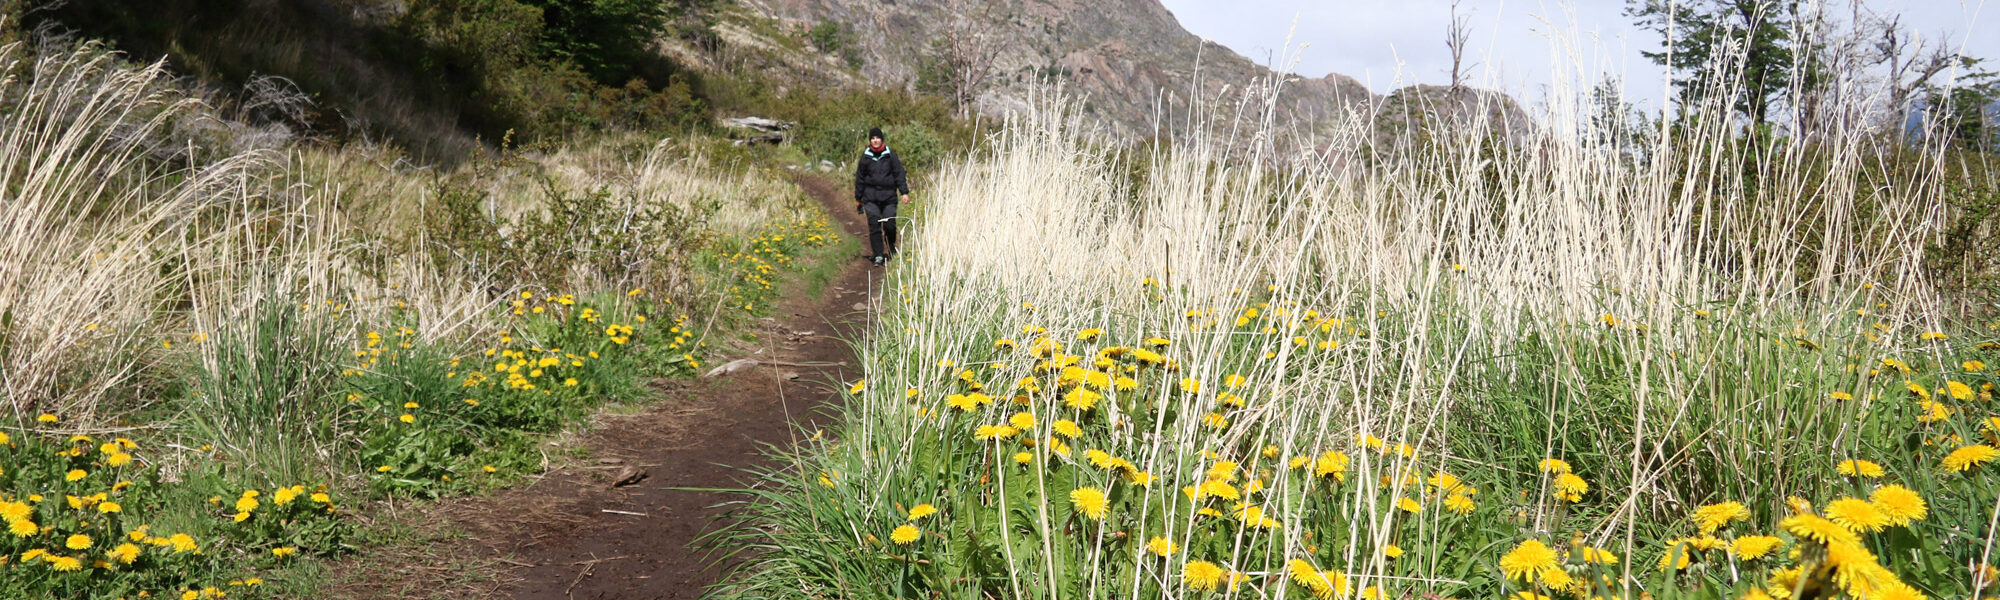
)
(1123, 60)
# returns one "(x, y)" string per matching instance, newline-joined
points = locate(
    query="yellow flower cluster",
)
(80, 521)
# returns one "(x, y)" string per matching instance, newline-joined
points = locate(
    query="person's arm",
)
(902, 182)
(858, 167)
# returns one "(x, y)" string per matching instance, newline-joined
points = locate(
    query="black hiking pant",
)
(881, 227)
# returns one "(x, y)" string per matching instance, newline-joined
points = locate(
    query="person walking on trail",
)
(879, 182)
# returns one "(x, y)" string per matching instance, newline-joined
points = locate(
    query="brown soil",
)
(560, 536)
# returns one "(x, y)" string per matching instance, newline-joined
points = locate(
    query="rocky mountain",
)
(1127, 61)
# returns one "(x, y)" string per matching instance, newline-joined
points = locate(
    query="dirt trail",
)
(559, 538)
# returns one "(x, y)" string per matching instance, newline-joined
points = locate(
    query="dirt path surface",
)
(574, 535)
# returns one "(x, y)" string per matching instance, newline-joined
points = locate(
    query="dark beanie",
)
(876, 132)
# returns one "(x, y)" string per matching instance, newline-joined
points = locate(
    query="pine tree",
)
(1753, 37)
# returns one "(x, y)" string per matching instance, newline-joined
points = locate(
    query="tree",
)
(1709, 41)
(1964, 109)
(1455, 38)
(608, 39)
(1614, 122)
(1911, 60)
(959, 63)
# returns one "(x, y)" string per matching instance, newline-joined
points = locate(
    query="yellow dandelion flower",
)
(1392, 551)
(1090, 502)
(1597, 556)
(1959, 390)
(1933, 411)
(1530, 561)
(1571, 486)
(1022, 421)
(1679, 554)
(905, 534)
(65, 563)
(1753, 547)
(1409, 505)
(1899, 504)
(47, 418)
(1461, 504)
(1082, 399)
(922, 510)
(858, 387)
(23, 528)
(284, 551)
(124, 554)
(1857, 515)
(1554, 465)
(78, 542)
(1202, 575)
(1712, 517)
(1860, 468)
(1322, 584)
(994, 432)
(1969, 456)
(1067, 428)
(1855, 569)
(1161, 547)
(1897, 590)
(1816, 528)
(75, 474)
(1331, 464)
(1220, 489)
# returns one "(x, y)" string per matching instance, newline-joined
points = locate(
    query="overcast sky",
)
(1391, 43)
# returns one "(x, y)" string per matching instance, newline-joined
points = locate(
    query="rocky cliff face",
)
(1126, 61)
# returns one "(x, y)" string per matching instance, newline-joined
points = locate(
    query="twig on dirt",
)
(587, 566)
(623, 512)
(517, 563)
(569, 591)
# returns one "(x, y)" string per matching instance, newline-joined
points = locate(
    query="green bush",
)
(617, 237)
(838, 138)
(919, 145)
(834, 37)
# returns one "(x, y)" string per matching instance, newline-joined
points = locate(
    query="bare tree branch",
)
(963, 56)
(1911, 61)
(1455, 39)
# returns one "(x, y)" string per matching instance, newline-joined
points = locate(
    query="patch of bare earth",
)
(622, 525)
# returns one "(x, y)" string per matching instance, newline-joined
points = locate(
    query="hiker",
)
(879, 183)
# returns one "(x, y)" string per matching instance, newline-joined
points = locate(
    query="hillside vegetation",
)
(212, 356)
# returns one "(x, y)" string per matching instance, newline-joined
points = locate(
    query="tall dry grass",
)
(1677, 323)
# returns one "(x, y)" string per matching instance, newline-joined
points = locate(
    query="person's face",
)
(874, 141)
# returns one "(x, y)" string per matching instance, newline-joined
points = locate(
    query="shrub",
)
(920, 147)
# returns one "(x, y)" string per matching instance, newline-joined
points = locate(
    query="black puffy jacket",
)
(879, 178)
